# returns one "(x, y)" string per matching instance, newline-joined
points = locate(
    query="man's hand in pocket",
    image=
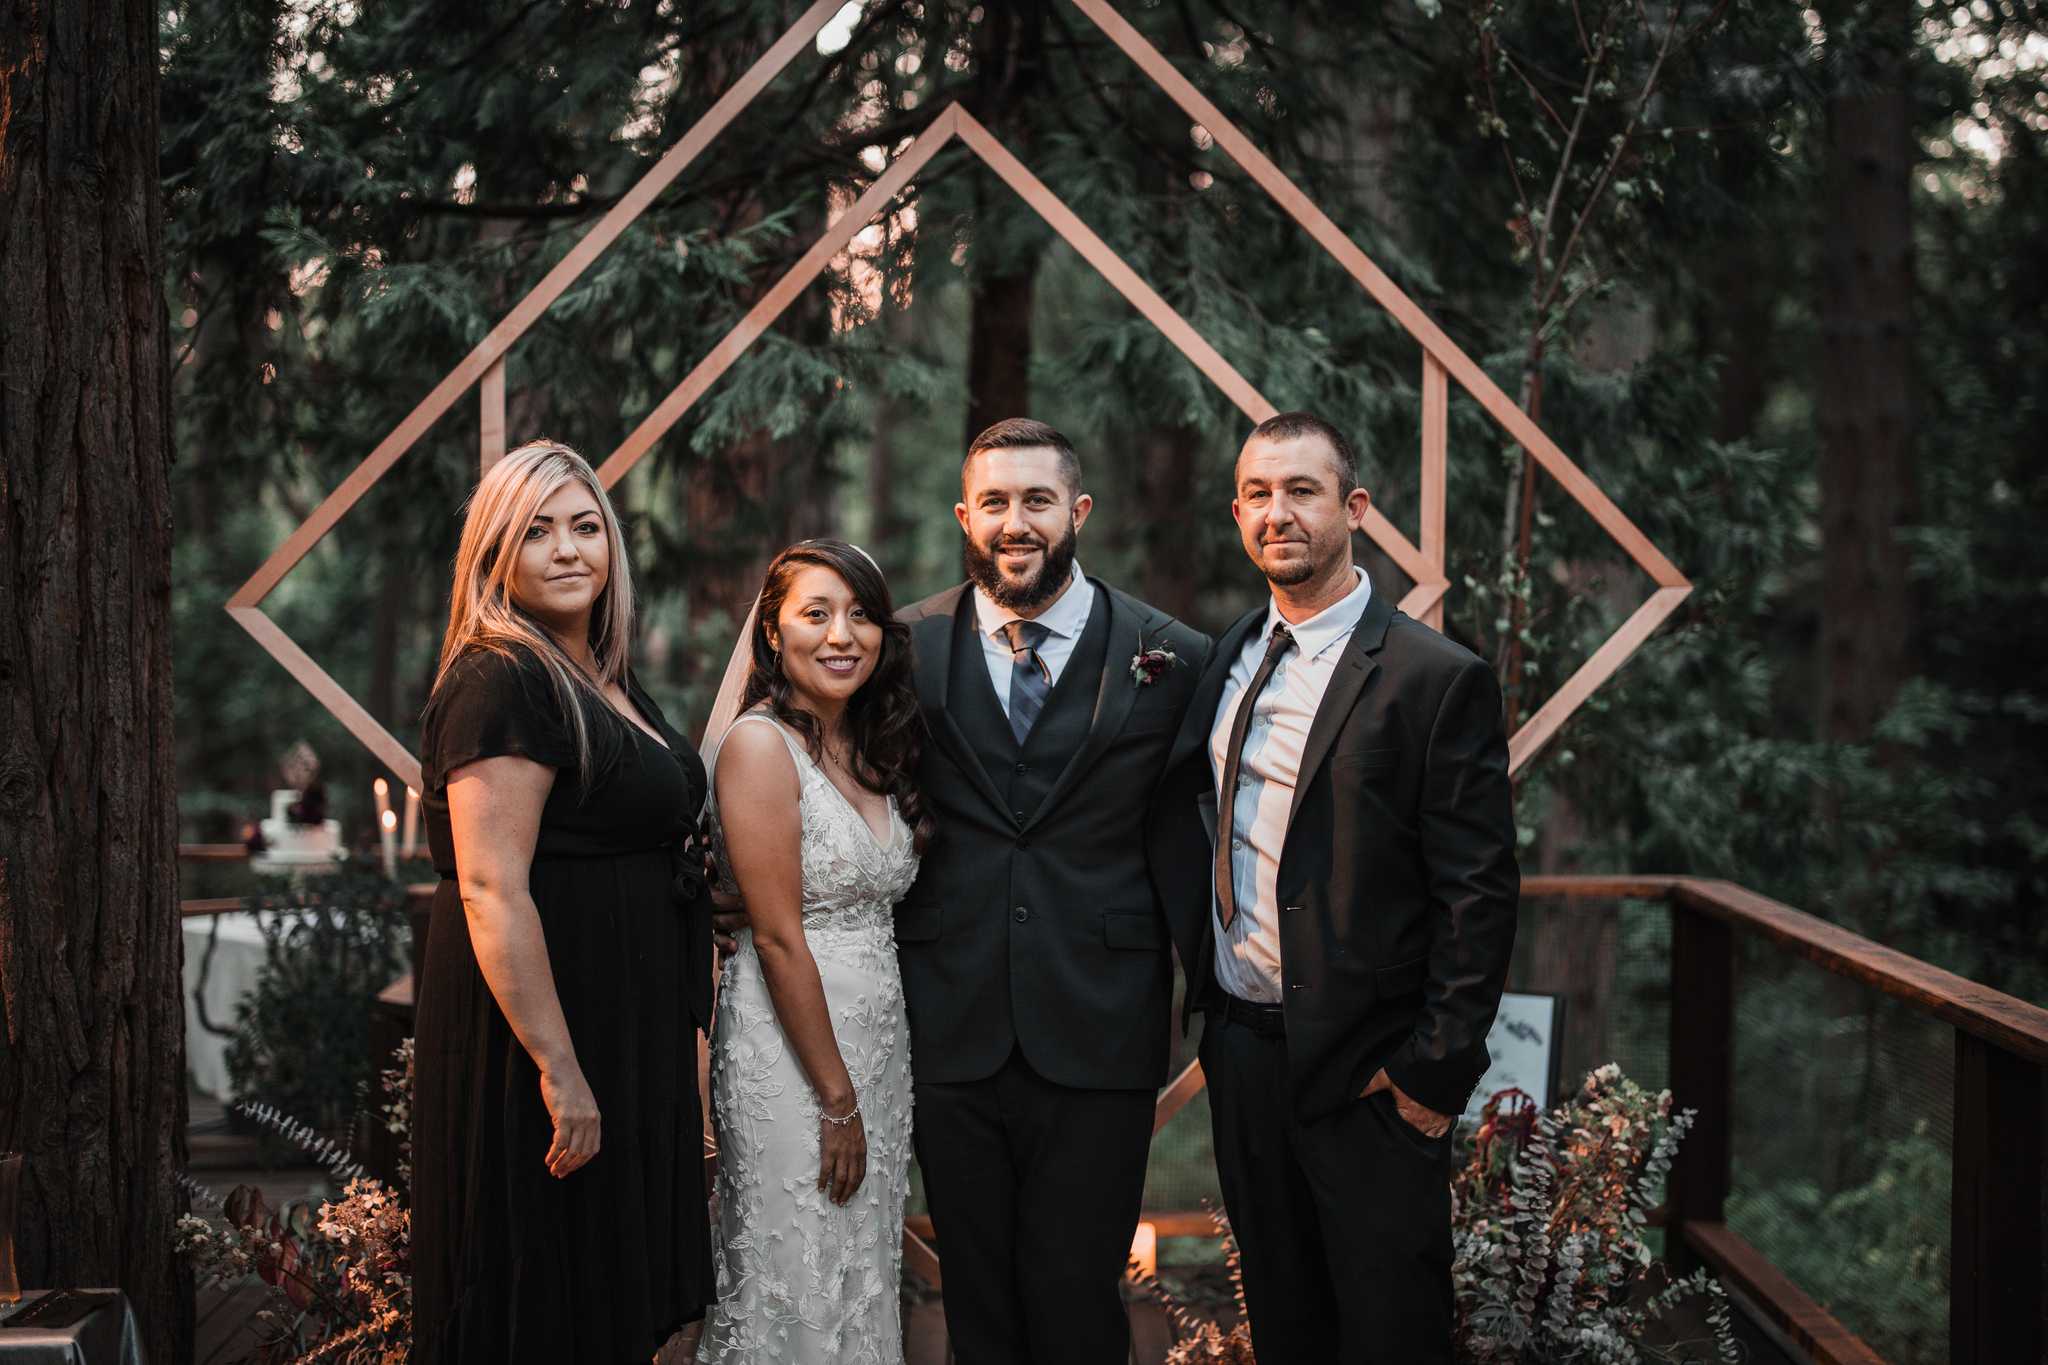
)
(1415, 1114)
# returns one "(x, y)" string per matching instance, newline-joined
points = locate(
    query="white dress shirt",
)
(1065, 619)
(1248, 952)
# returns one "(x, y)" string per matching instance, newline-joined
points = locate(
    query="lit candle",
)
(387, 823)
(412, 821)
(1145, 1250)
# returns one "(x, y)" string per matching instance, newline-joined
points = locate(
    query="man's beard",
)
(1294, 572)
(1053, 573)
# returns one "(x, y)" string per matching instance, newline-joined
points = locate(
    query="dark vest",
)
(1025, 775)
(1033, 927)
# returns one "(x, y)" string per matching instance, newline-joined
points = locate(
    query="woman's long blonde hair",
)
(481, 612)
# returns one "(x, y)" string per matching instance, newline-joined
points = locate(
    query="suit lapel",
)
(932, 648)
(1112, 702)
(1200, 719)
(1357, 665)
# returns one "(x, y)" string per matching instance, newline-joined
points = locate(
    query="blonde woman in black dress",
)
(558, 1184)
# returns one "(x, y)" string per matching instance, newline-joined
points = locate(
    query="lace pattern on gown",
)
(801, 1279)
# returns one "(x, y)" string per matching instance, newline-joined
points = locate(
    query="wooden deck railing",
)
(2001, 1043)
(1996, 1240)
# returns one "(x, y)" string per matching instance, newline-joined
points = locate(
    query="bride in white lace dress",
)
(810, 1052)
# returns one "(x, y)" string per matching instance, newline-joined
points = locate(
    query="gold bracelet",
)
(842, 1122)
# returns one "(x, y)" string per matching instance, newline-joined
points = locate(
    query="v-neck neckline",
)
(797, 750)
(888, 808)
(652, 729)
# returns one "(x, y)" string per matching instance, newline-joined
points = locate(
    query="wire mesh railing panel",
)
(1609, 962)
(1841, 1138)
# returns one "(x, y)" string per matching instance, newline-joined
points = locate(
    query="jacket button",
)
(1017, 814)
(1023, 843)
(1020, 914)
(1023, 768)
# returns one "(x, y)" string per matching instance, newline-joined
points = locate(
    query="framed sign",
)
(1527, 1047)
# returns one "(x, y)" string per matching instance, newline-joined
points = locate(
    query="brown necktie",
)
(1226, 798)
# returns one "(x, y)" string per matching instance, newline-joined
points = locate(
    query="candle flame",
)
(390, 819)
(381, 787)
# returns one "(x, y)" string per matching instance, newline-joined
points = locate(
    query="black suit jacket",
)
(1398, 885)
(1043, 932)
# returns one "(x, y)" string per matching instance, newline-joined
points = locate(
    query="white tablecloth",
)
(106, 1336)
(237, 958)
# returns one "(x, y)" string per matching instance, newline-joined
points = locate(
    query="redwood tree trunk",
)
(92, 1055)
(1866, 374)
(999, 350)
(1009, 74)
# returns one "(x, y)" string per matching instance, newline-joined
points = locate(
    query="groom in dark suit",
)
(1344, 913)
(1035, 956)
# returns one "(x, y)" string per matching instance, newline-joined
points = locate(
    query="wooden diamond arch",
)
(1442, 361)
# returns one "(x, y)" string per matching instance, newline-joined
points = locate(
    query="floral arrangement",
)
(1548, 1217)
(341, 1278)
(1549, 1263)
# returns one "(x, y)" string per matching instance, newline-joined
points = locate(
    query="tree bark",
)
(1009, 70)
(887, 533)
(92, 1055)
(999, 349)
(1865, 391)
(387, 623)
(1164, 508)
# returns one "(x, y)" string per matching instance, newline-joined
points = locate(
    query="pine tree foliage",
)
(356, 194)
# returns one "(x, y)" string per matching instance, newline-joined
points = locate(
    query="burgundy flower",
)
(1149, 666)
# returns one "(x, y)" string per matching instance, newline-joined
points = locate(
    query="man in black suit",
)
(1344, 914)
(1034, 951)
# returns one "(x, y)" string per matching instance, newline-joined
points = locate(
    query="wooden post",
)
(1702, 1072)
(1436, 395)
(1995, 1235)
(491, 428)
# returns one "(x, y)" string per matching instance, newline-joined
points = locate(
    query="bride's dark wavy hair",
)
(883, 718)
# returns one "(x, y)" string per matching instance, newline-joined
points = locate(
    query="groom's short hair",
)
(1288, 426)
(1016, 433)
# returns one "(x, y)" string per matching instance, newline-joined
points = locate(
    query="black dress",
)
(511, 1264)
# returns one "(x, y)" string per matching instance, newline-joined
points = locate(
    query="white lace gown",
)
(801, 1279)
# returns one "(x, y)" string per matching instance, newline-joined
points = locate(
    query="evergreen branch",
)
(1564, 162)
(1620, 147)
(1530, 85)
(1487, 43)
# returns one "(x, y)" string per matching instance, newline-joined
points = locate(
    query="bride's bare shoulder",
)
(754, 761)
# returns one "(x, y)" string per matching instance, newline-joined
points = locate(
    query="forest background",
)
(1772, 275)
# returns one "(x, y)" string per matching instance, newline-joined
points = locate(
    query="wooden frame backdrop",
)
(1442, 361)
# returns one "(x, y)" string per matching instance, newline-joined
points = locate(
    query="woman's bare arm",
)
(494, 808)
(758, 811)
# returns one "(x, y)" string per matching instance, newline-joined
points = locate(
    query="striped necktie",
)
(1030, 679)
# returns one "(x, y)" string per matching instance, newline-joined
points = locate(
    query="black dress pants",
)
(1034, 1191)
(1343, 1225)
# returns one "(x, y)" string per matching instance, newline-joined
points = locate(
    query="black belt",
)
(1266, 1020)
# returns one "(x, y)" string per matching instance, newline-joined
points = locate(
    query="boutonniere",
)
(1148, 666)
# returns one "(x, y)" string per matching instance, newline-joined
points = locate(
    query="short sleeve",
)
(488, 706)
